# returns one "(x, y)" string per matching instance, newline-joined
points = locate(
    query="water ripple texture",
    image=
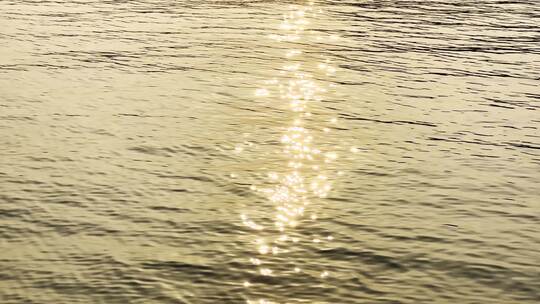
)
(295, 151)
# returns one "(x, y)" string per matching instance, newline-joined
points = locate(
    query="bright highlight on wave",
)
(302, 179)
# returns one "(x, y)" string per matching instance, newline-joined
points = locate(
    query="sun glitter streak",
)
(302, 181)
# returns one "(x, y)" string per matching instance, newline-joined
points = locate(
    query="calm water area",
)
(269, 152)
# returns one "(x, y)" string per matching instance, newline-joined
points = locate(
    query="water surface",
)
(269, 151)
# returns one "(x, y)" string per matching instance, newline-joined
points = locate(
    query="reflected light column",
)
(301, 180)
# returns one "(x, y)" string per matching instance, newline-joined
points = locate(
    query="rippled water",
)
(269, 151)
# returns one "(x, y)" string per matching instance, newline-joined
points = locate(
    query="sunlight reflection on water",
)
(163, 151)
(293, 190)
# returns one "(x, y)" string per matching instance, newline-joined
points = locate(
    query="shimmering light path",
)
(297, 192)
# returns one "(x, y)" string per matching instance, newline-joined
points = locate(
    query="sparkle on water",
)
(233, 151)
(293, 191)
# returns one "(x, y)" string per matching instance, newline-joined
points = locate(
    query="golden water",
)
(269, 152)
